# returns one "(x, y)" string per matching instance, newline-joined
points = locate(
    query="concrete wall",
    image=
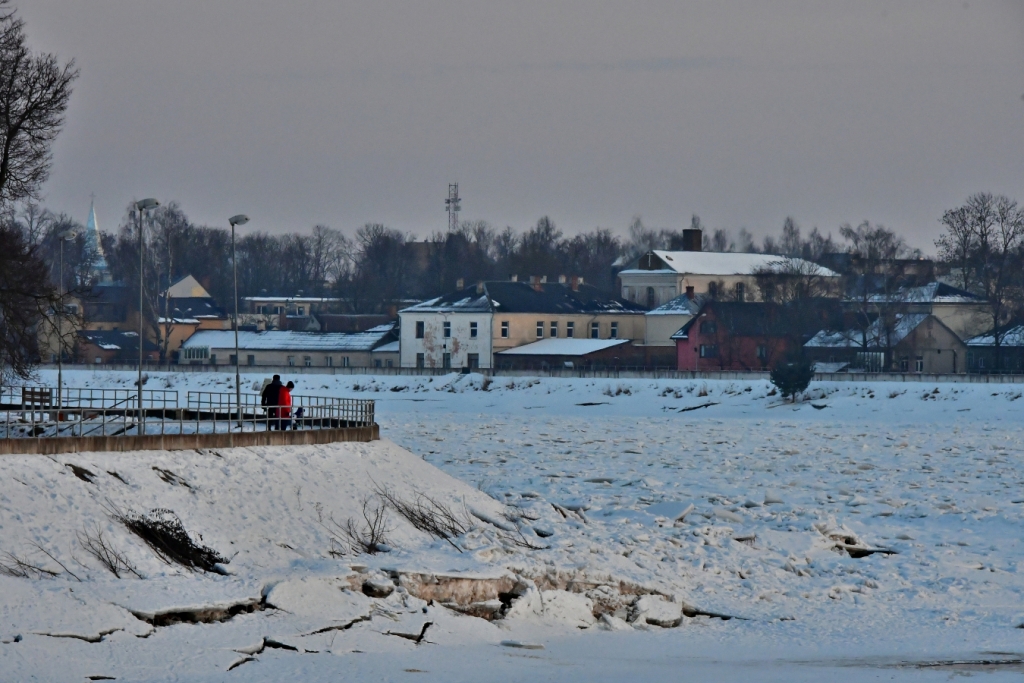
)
(180, 442)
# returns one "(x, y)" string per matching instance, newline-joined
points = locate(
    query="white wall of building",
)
(434, 345)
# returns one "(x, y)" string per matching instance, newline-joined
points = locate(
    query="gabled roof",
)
(288, 340)
(876, 334)
(1013, 337)
(116, 340)
(933, 292)
(681, 305)
(521, 297)
(713, 263)
(563, 347)
(187, 288)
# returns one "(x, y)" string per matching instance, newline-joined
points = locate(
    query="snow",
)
(1012, 337)
(563, 347)
(287, 340)
(751, 507)
(876, 333)
(720, 263)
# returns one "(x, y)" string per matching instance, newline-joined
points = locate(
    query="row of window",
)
(199, 353)
(552, 327)
(278, 310)
(711, 351)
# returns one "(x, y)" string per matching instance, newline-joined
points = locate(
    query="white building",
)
(290, 348)
(452, 331)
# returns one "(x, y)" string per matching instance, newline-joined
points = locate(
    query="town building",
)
(289, 348)
(982, 355)
(909, 342)
(468, 327)
(581, 354)
(101, 347)
(729, 335)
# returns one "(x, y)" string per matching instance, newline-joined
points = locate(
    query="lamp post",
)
(240, 219)
(140, 206)
(65, 236)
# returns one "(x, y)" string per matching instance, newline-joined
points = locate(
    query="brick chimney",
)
(535, 282)
(693, 239)
(561, 279)
(576, 282)
(513, 278)
(689, 293)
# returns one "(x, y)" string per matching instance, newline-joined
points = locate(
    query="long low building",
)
(373, 348)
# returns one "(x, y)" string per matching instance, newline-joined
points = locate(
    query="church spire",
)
(95, 245)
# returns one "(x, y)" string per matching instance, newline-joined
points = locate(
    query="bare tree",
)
(34, 94)
(27, 296)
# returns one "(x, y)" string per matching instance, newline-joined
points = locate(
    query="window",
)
(446, 361)
(762, 352)
(595, 331)
(301, 310)
(329, 361)
(554, 329)
(570, 329)
(291, 361)
(904, 364)
(196, 352)
(376, 362)
(99, 361)
(277, 310)
(869, 361)
(344, 361)
(540, 329)
(473, 361)
(250, 359)
(650, 297)
(740, 291)
(472, 330)
(713, 289)
(421, 361)
(708, 327)
(307, 361)
(709, 350)
(262, 310)
(919, 364)
(419, 329)
(447, 328)
(390, 363)
(615, 330)
(232, 359)
(504, 329)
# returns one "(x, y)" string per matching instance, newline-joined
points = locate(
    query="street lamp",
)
(240, 219)
(65, 236)
(140, 206)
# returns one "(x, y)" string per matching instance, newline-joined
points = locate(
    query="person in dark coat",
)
(271, 400)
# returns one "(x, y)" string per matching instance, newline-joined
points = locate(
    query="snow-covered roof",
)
(563, 347)
(681, 305)
(184, 321)
(933, 292)
(460, 303)
(876, 333)
(1012, 337)
(187, 288)
(387, 348)
(718, 263)
(288, 340)
(293, 299)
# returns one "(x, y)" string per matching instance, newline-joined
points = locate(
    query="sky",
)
(588, 111)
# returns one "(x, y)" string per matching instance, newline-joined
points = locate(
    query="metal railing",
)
(32, 412)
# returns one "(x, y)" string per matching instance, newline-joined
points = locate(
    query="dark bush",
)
(164, 533)
(792, 377)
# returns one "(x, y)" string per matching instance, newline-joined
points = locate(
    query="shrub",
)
(793, 377)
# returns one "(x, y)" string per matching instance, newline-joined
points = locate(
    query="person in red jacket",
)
(284, 400)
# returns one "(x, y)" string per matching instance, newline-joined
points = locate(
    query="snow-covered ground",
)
(864, 532)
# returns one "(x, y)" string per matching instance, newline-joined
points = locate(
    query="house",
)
(729, 335)
(662, 322)
(285, 347)
(981, 352)
(909, 342)
(660, 276)
(591, 354)
(468, 327)
(184, 308)
(113, 346)
(966, 314)
(109, 307)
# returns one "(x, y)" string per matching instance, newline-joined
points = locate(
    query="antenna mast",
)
(453, 204)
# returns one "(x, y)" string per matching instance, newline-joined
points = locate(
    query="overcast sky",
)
(591, 112)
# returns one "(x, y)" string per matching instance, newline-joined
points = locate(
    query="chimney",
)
(692, 238)
(561, 279)
(689, 293)
(460, 284)
(535, 283)
(513, 278)
(480, 287)
(576, 282)
(544, 279)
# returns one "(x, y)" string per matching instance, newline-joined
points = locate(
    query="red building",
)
(727, 335)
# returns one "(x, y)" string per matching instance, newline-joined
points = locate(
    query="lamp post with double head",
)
(65, 236)
(240, 219)
(141, 206)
